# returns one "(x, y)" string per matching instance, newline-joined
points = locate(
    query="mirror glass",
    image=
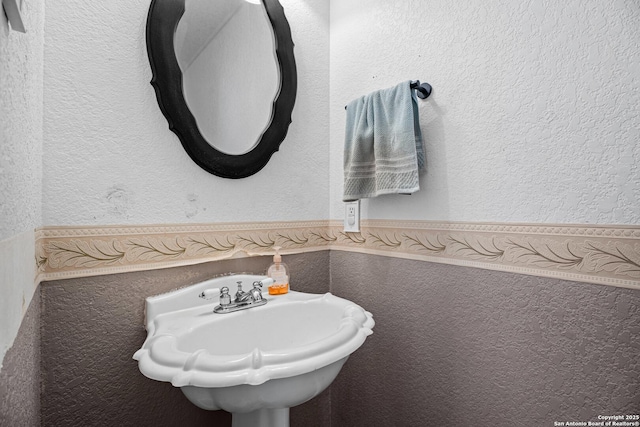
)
(226, 52)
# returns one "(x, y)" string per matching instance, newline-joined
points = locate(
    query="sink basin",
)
(254, 363)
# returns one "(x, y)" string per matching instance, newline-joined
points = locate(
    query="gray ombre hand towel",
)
(383, 144)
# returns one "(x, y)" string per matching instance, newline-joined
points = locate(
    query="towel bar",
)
(423, 89)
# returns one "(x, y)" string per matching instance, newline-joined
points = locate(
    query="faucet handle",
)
(210, 293)
(264, 282)
(225, 298)
(256, 292)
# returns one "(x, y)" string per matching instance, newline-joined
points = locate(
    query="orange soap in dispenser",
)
(279, 273)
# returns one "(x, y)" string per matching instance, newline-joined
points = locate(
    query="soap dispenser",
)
(279, 273)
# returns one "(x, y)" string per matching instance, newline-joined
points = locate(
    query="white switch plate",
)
(352, 216)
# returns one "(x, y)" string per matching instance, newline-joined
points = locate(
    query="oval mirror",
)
(225, 79)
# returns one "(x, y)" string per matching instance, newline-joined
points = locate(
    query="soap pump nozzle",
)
(277, 258)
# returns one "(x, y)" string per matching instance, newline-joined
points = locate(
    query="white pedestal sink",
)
(255, 363)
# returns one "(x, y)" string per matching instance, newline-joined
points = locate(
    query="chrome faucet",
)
(242, 296)
(242, 301)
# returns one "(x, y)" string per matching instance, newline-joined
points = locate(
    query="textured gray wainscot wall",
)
(451, 346)
(92, 326)
(463, 346)
(20, 375)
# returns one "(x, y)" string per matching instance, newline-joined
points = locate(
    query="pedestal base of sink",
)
(262, 418)
(267, 404)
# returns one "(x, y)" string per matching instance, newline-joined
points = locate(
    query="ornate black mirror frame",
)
(162, 22)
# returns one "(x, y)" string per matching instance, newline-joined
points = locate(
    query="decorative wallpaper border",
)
(608, 255)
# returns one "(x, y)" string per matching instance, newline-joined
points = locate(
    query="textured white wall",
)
(110, 157)
(535, 114)
(21, 64)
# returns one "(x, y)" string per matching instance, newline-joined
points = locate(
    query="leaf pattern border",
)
(608, 256)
